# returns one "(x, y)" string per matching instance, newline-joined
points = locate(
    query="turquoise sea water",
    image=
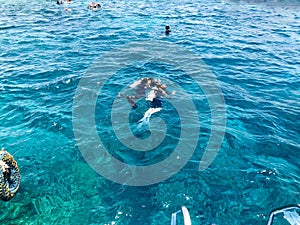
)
(253, 49)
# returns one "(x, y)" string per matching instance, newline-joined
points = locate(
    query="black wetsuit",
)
(156, 103)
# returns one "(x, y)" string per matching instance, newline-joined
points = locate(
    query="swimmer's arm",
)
(129, 99)
(121, 95)
(169, 94)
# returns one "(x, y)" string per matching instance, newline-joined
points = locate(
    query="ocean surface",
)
(251, 47)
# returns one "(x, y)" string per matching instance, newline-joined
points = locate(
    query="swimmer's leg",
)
(144, 122)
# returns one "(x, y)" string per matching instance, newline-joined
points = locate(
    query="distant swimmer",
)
(93, 6)
(167, 31)
(62, 2)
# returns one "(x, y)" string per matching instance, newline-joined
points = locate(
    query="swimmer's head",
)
(163, 86)
(167, 29)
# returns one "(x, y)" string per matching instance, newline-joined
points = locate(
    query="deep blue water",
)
(252, 48)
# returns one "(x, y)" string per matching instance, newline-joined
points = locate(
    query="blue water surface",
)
(253, 49)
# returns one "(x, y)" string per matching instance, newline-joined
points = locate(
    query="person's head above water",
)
(167, 29)
(163, 86)
(94, 5)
